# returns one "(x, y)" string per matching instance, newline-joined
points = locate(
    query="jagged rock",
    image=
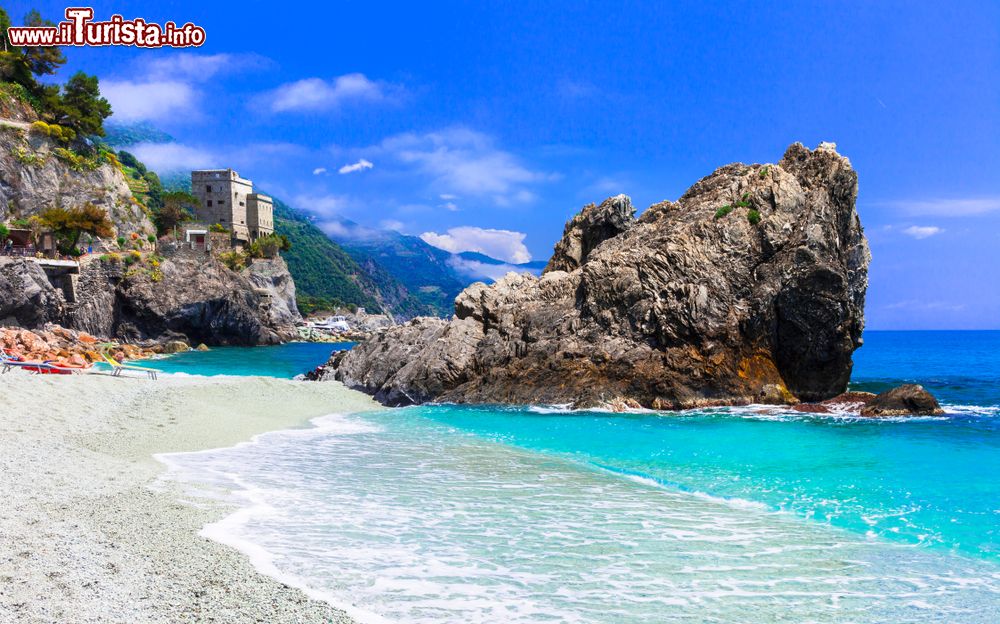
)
(27, 299)
(590, 228)
(687, 306)
(196, 300)
(906, 400)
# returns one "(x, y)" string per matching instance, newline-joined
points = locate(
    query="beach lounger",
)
(117, 368)
(48, 367)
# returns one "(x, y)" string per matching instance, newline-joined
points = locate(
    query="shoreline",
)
(91, 530)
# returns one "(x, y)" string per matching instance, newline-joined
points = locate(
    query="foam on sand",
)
(91, 541)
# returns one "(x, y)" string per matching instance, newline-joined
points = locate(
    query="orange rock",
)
(86, 338)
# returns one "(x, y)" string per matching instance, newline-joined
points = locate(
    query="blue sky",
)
(485, 125)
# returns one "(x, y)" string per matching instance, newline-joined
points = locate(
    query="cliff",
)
(749, 288)
(196, 299)
(37, 173)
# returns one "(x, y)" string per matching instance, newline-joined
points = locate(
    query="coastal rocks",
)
(58, 343)
(195, 300)
(750, 288)
(192, 300)
(175, 346)
(590, 228)
(906, 400)
(26, 297)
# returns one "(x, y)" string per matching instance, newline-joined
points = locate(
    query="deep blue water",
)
(540, 514)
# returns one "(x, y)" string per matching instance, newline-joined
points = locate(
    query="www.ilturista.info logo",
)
(80, 30)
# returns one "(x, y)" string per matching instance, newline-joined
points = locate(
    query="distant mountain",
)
(123, 135)
(423, 270)
(535, 266)
(326, 274)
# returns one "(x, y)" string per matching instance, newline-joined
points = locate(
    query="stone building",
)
(227, 199)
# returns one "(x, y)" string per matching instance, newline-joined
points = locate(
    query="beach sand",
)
(88, 534)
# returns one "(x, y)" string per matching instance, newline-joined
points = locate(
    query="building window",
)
(222, 202)
(208, 188)
(209, 202)
(241, 203)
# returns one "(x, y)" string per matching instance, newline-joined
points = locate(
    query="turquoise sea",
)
(541, 514)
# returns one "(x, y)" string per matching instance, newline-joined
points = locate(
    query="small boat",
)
(333, 323)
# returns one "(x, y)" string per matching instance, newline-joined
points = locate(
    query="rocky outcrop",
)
(64, 346)
(749, 288)
(27, 298)
(906, 400)
(195, 300)
(37, 174)
(590, 228)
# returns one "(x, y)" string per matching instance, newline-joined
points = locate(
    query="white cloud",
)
(482, 270)
(955, 207)
(500, 244)
(922, 231)
(392, 224)
(168, 157)
(913, 304)
(450, 206)
(447, 196)
(162, 88)
(200, 67)
(358, 166)
(319, 170)
(321, 205)
(149, 100)
(314, 94)
(466, 161)
(576, 88)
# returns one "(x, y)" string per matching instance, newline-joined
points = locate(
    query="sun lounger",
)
(48, 367)
(117, 368)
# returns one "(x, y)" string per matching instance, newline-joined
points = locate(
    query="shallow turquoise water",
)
(287, 360)
(539, 514)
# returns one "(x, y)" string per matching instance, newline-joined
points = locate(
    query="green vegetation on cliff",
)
(325, 276)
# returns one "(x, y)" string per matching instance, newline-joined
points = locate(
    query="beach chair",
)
(36, 367)
(117, 368)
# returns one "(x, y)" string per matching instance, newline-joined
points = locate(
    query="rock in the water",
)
(175, 346)
(906, 400)
(749, 288)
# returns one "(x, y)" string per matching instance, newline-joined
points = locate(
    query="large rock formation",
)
(749, 288)
(36, 174)
(195, 299)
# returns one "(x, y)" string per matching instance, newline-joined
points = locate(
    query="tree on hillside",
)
(176, 208)
(69, 224)
(21, 65)
(80, 106)
(42, 61)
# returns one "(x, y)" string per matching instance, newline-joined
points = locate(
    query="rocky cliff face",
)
(749, 288)
(193, 299)
(35, 174)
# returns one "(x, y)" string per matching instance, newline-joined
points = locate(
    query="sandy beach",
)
(88, 533)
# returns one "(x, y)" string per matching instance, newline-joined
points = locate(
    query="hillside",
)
(425, 271)
(38, 172)
(325, 275)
